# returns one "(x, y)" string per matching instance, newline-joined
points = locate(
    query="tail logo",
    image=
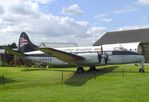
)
(23, 42)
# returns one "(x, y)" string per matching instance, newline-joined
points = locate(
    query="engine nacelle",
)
(91, 58)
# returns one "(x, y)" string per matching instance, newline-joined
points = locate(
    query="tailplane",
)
(25, 45)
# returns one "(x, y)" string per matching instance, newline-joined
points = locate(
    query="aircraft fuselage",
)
(113, 57)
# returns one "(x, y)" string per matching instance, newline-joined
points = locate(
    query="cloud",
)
(145, 18)
(103, 18)
(7, 3)
(91, 35)
(106, 20)
(125, 10)
(96, 30)
(43, 1)
(132, 27)
(47, 25)
(27, 7)
(100, 15)
(1, 9)
(95, 33)
(72, 10)
(143, 2)
(26, 16)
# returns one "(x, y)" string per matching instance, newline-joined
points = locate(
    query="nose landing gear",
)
(141, 70)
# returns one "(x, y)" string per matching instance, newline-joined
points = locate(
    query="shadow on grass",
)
(81, 79)
(34, 69)
(5, 80)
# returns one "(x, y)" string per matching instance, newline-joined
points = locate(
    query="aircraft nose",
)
(141, 58)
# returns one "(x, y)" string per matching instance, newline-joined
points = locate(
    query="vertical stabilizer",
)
(25, 45)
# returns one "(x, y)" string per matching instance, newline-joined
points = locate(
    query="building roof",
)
(138, 35)
(57, 45)
(2, 51)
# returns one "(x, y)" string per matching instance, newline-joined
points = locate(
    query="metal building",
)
(2, 55)
(57, 44)
(129, 37)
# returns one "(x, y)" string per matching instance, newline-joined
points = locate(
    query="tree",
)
(13, 45)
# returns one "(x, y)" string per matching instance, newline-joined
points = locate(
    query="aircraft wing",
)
(14, 52)
(64, 56)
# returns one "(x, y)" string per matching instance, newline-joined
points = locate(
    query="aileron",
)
(64, 56)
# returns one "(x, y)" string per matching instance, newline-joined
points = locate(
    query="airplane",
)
(76, 56)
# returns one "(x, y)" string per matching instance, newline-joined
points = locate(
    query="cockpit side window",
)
(124, 53)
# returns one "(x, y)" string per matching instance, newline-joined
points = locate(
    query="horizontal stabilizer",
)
(14, 52)
(64, 56)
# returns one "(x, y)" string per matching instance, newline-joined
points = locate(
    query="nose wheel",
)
(141, 70)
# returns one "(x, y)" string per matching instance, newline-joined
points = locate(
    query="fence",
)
(67, 77)
(2, 80)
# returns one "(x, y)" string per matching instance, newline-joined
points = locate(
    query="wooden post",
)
(94, 75)
(3, 79)
(123, 72)
(143, 73)
(62, 77)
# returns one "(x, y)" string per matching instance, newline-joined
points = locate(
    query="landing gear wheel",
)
(141, 70)
(92, 68)
(80, 70)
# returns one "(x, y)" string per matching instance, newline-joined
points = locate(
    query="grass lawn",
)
(108, 84)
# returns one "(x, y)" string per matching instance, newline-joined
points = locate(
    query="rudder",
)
(25, 45)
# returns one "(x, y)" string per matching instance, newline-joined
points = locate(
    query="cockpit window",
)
(124, 53)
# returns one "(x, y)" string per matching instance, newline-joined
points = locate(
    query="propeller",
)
(12, 56)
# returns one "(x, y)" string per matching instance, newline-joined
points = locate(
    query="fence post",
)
(143, 73)
(3, 80)
(62, 77)
(123, 72)
(94, 75)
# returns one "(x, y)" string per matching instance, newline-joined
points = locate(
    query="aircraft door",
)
(99, 58)
(106, 59)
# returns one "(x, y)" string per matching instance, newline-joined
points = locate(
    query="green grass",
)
(45, 85)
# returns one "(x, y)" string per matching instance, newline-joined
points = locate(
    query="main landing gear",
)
(81, 69)
(92, 68)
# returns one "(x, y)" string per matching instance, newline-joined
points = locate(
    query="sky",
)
(70, 21)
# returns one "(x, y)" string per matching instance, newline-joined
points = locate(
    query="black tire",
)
(141, 70)
(80, 70)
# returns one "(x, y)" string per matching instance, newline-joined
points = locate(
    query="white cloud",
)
(95, 33)
(96, 30)
(27, 7)
(47, 25)
(72, 10)
(103, 18)
(43, 1)
(7, 3)
(132, 27)
(26, 16)
(143, 2)
(106, 20)
(125, 10)
(1, 9)
(145, 18)
(100, 15)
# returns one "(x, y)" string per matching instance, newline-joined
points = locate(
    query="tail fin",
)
(25, 45)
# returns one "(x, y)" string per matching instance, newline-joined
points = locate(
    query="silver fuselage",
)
(114, 57)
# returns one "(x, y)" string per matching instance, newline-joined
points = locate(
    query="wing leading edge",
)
(14, 52)
(64, 56)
